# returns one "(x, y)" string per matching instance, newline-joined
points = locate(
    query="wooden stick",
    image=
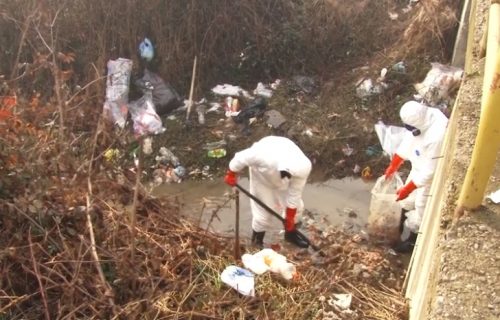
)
(191, 90)
(37, 274)
(237, 253)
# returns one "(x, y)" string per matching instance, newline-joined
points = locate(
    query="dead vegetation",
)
(68, 250)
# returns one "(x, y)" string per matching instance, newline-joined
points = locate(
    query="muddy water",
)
(342, 203)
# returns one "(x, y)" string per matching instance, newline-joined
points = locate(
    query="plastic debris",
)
(494, 196)
(230, 90)
(262, 91)
(117, 89)
(269, 260)
(146, 50)
(111, 155)
(167, 157)
(342, 301)
(347, 150)
(239, 279)
(254, 109)
(147, 146)
(214, 145)
(146, 120)
(439, 83)
(165, 98)
(216, 153)
(399, 67)
(366, 88)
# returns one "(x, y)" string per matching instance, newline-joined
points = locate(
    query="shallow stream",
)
(341, 203)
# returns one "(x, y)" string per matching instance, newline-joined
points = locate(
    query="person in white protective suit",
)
(278, 173)
(422, 147)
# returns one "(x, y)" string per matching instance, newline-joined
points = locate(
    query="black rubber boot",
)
(294, 238)
(402, 221)
(407, 245)
(258, 238)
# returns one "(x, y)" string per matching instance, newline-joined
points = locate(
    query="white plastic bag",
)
(439, 83)
(269, 260)
(390, 137)
(385, 211)
(117, 88)
(239, 279)
(143, 113)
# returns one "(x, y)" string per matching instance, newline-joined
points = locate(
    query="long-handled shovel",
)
(237, 253)
(275, 214)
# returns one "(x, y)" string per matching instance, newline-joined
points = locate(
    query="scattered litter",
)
(347, 150)
(214, 145)
(216, 153)
(111, 155)
(230, 90)
(274, 119)
(275, 84)
(393, 15)
(256, 108)
(441, 81)
(373, 151)
(342, 301)
(366, 173)
(147, 146)
(146, 120)
(239, 279)
(231, 106)
(356, 169)
(214, 107)
(399, 67)
(167, 157)
(269, 260)
(165, 98)
(146, 49)
(201, 110)
(262, 91)
(308, 132)
(366, 88)
(494, 196)
(117, 89)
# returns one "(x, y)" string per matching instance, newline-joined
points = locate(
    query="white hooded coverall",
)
(265, 159)
(423, 151)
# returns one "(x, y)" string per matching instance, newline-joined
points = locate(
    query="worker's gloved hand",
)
(396, 162)
(231, 178)
(405, 191)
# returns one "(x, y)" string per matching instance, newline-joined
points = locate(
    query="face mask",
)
(413, 130)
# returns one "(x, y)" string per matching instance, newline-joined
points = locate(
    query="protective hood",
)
(415, 114)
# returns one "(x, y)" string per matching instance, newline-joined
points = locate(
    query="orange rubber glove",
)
(290, 219)
(231, 178)
(405, 191)
(396, 162)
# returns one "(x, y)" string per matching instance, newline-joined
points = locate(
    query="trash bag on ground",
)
(165, 98)
(440, 82)
(256, 108)
(269, 260)
(146, 120)
(385, 211)
(117, 89)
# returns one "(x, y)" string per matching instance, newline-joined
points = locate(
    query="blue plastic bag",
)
(146, 49)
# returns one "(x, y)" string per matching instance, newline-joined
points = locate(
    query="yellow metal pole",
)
(492, 45)
(486, 146)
